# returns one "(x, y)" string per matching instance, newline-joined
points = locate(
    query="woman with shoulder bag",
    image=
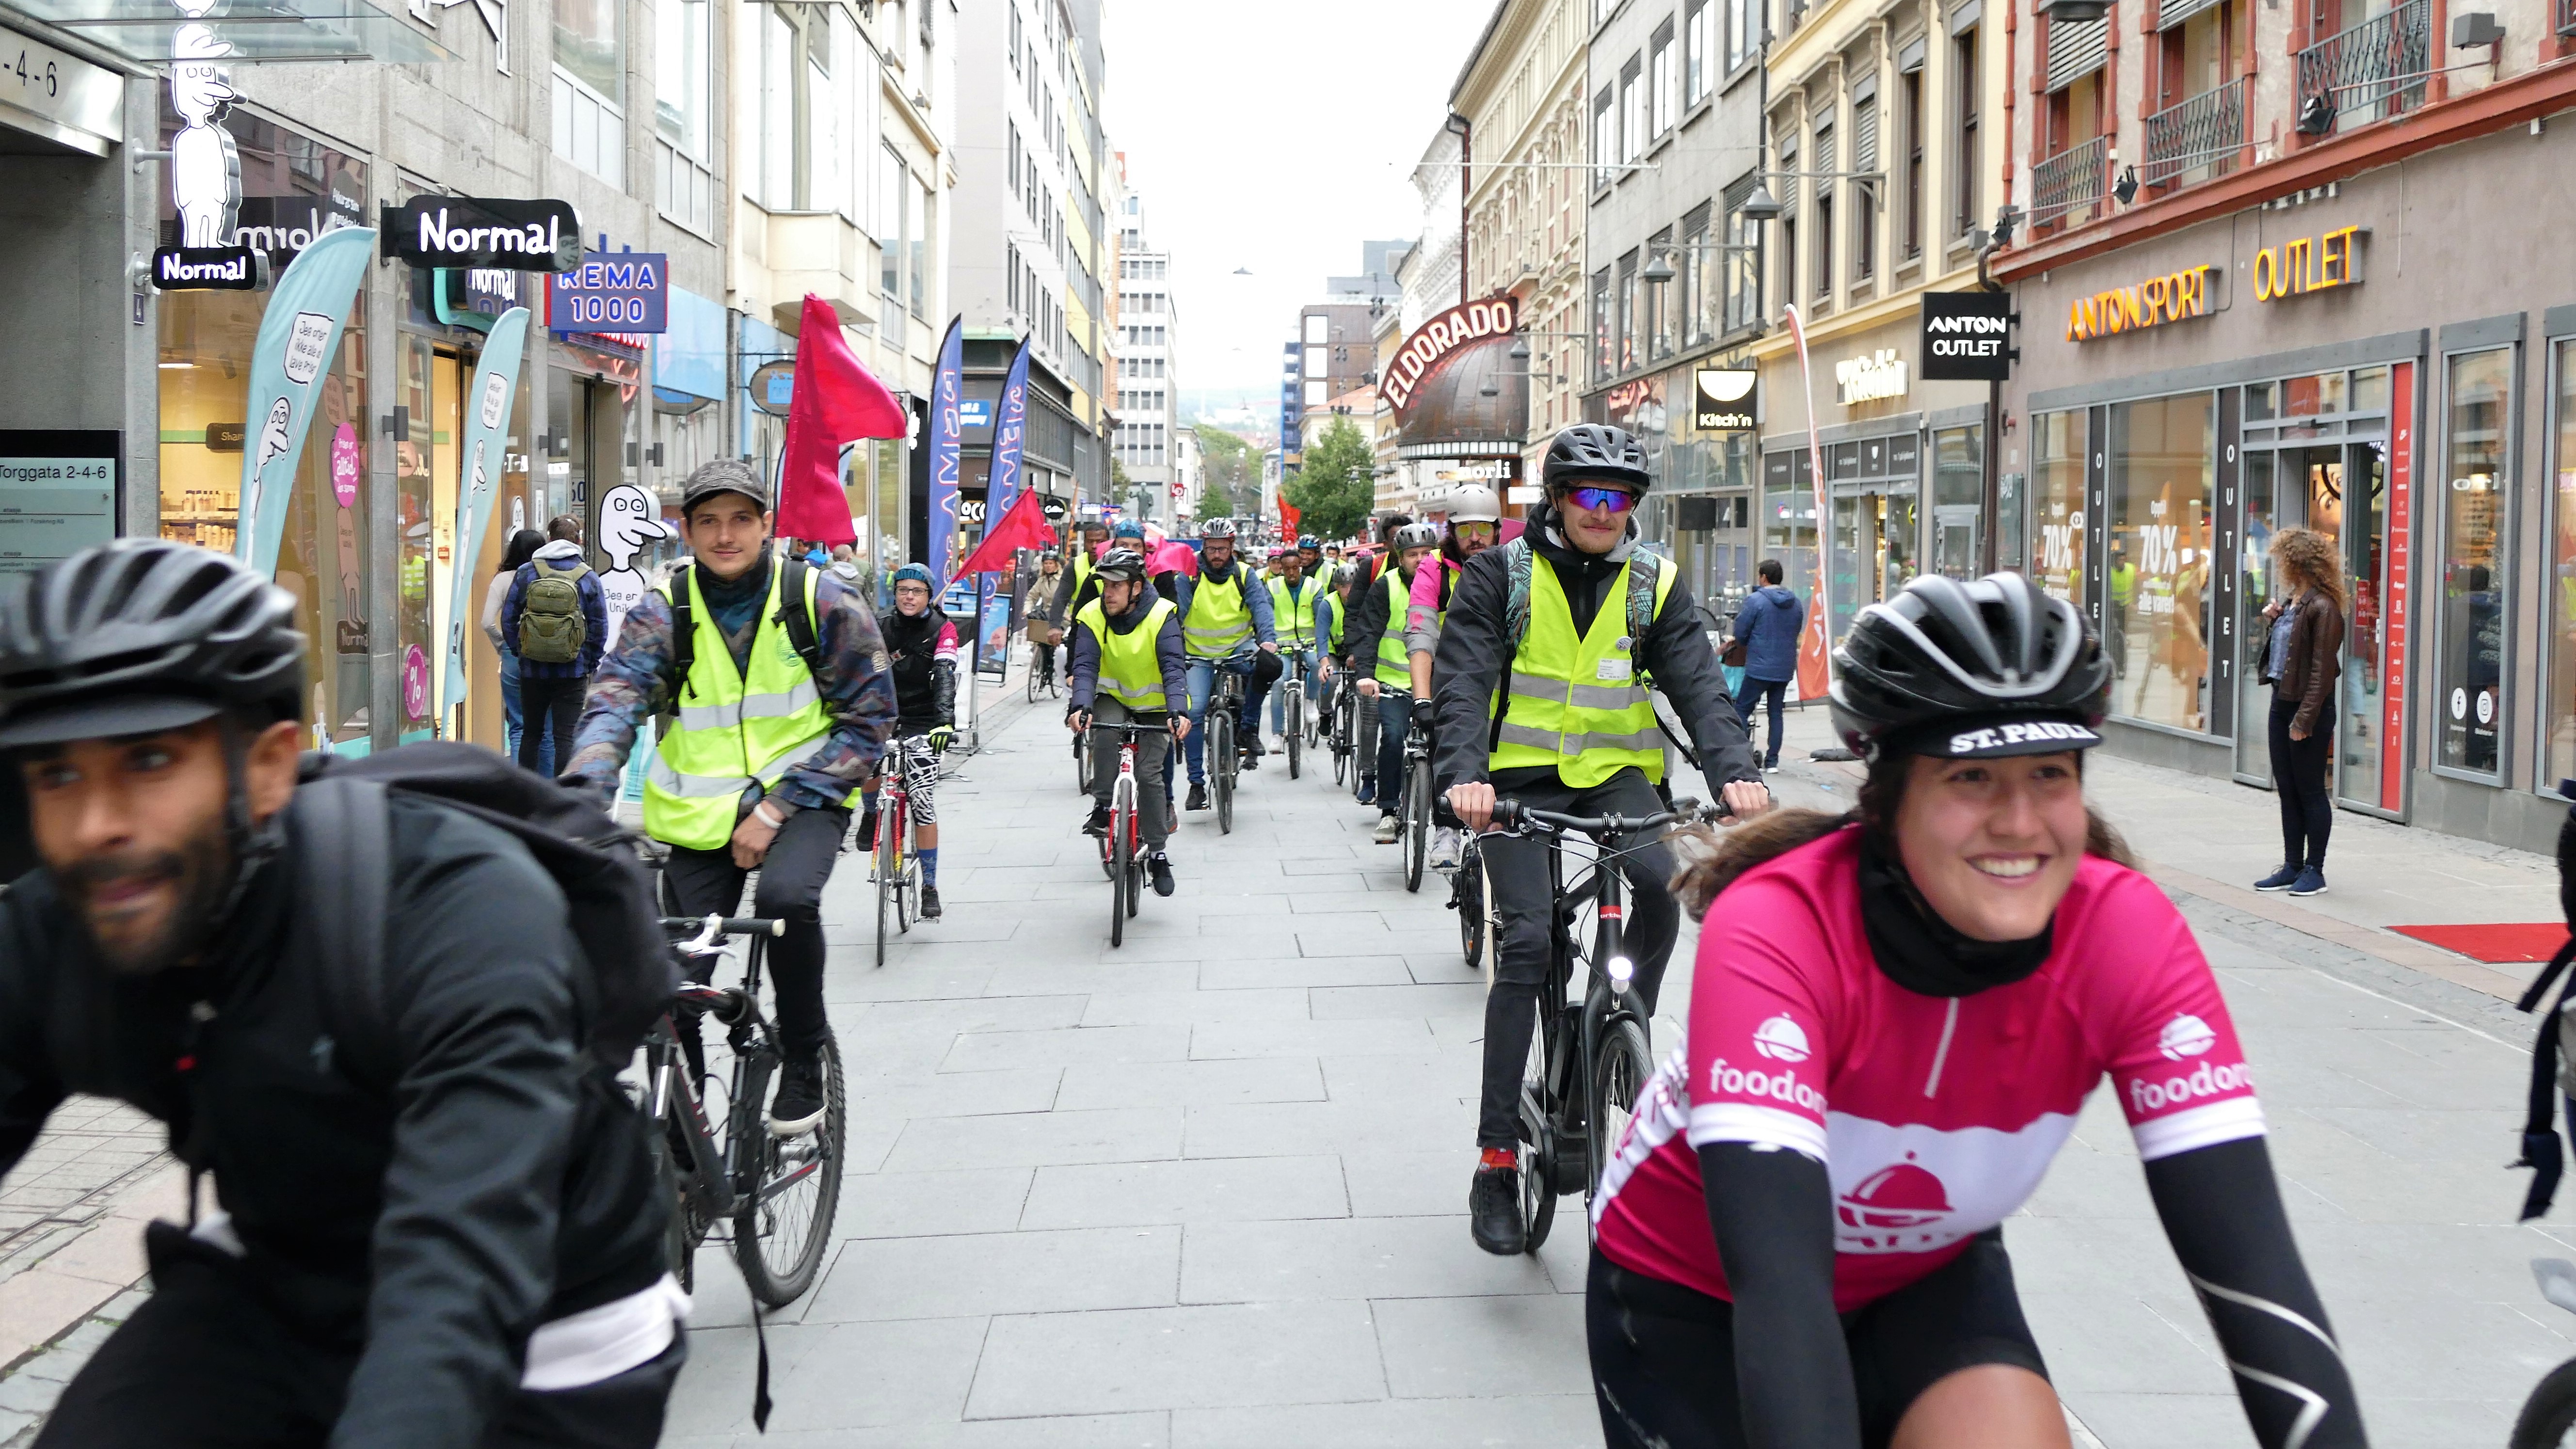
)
(2302, 660)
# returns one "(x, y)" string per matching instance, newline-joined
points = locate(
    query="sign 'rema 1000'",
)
(2154, 302)
(470, 231)
(1437, 338)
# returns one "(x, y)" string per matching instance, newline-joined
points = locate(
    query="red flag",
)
(1288, 516)
(834, 402)
(1023, 525)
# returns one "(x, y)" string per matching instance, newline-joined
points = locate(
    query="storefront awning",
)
(146, 31)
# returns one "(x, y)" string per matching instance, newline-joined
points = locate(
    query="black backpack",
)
(344, 846)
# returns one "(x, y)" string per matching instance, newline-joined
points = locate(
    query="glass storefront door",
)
(425, 466)
(2262, 519)
(2360, 759)
(2340, 490)
(1872, 554)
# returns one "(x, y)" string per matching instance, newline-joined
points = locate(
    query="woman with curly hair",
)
(2302, 658)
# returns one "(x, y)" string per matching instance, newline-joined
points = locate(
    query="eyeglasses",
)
(1469, 532)
(1615, 500)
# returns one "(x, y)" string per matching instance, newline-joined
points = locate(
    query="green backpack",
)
(551, 627)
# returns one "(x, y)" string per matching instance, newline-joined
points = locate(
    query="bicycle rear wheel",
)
(784, 1226)
(1538, 1138)
(1082, 764)
(1417, 821)
(1620, 1071)
(1294, 736)
(1467, 898)
(1341, 743)
(1220, 764)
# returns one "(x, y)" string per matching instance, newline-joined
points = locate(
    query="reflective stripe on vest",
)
(1219, 621)
(1131, 669)
(1299, 606)
(732, 730)
(1576, 704)
(1393, 670)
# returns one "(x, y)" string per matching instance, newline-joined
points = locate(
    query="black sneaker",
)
(798, 1108)
(1098, 823)
(1252, 744)
(1198, 795)
(1494, 1211)
(930, 903)
(1159, 866)
(1250, 760)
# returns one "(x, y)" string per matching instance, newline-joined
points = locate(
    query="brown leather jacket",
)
(2314, 660)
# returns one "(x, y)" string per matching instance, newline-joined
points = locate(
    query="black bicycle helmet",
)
(1120, 565)
(1596, 450)
(1970, 670)
(141, 635)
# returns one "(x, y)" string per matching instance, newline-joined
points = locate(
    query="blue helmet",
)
(1307, 541)
(913, 573)
(1127, 528)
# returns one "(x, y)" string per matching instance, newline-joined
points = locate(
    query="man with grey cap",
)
(785, 701)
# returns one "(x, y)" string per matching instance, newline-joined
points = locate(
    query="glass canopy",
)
(146, 31)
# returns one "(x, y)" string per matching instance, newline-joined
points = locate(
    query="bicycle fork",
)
(712, 1186)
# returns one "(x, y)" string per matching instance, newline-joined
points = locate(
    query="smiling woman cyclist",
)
(1895, 1017)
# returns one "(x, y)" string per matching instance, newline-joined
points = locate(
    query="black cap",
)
(1997, 736)
(724, 475)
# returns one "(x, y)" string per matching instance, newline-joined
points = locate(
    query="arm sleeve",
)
(1366, 625)
(2222, 1213)
(1465, 671)
(2325, 658)
(632, 681)
(1773, 1215)
(858, 693)
(1687, 672)
(1323, 620)
(464, 1253)
(1256, 597)
(510, 605)
(1760, 1039)
(1422, 610)
(494, 593)
(1171, 653)
(1082, 675)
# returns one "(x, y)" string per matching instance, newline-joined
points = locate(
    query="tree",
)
(1214, 502)
(1231, 464)
(1334, 492)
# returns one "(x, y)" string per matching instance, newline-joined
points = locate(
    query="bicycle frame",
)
(717, 1180)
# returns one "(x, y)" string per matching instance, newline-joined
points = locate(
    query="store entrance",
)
(2340, 490)
(1874, 551)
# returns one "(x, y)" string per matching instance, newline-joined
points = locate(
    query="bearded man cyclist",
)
(1294, 598)
(1375, 654)
(462, 1249)
(1128, 667)
(1475, 523)
(1895, 1019)
(922, 642)
(1560, 718)
(769, 748)
(1226, 624)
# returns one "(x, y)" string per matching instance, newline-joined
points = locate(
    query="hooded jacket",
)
(1768, 624)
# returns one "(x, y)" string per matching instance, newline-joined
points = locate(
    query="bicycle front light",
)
(1622, 971)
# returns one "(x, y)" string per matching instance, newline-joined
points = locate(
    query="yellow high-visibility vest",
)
(1577, 703)
(732, 730)
(1219, 620)
(1392, 669)
(1131, 672)
(1292, 612)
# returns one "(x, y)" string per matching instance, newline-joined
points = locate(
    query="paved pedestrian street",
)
(1209, 1189)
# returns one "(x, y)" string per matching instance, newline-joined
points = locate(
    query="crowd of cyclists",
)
(433, 1219)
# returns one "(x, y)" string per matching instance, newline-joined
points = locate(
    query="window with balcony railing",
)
(2067, 188)
(2563, 16)
(2200, 138)
(2372, 70)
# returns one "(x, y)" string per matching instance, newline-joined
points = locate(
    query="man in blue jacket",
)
(557, 655)
(1767, 626)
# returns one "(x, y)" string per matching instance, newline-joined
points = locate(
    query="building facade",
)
(1145, 439)
(2278, 268)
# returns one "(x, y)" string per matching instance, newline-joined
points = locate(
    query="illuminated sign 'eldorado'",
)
(1437, 338)
(2177, 297)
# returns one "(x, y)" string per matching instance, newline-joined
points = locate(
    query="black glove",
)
(1422, 712)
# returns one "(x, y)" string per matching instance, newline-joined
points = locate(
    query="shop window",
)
(683, 73)
(1629, 321)
(2562, 567)
(1604, 356)
(2057, 443)
(1958, 492)
(2478, 411)
(2162, 470)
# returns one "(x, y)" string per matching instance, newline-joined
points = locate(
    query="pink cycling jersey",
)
(1935, 1117)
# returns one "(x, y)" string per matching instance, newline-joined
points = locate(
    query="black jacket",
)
(1082, 676)
(1369, 617)
(1475, 660)
(421, 1232)
(925, 686)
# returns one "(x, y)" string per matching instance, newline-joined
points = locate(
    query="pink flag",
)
(1175, 555)
(834, 402)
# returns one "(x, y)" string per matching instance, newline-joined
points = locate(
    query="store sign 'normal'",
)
(206, 269)
(612, 292)
(474, 231)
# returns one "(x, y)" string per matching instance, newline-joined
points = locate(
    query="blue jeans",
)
(1291, 656)
(1202, 686)
(1753, 693)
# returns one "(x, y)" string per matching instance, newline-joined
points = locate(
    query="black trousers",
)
(699, 882)
(205, 1364)
(548, 705)
(1516, 882)
(2299, 769)
(1753, 693)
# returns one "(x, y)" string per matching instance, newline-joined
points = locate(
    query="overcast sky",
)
(1275, 137)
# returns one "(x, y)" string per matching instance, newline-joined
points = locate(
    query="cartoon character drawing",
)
(205, 167)
(628, 520)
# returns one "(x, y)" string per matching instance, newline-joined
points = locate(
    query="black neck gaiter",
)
(1924, 953)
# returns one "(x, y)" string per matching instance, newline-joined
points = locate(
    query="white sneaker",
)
(1444, 849)
(1388, 828)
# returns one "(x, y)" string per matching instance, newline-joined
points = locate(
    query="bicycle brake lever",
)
(708, 941)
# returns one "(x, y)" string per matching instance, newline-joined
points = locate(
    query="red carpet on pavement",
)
(2521, 941)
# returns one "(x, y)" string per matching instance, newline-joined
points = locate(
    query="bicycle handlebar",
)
(711, 928)
(1513, 815)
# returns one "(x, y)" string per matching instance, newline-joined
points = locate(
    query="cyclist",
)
(1294, 600)
(469, 1252)
(1095, 538)
(758, 771)
(922, 642)
(1225, 622)
(1475, 519)
(1331, 611)
(1127, 666)
(1947, 970)
(1375, 653)
(1048, 595)
(1560, 718)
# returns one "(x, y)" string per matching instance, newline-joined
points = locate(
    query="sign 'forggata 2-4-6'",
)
(2176, 297)
(1437, 338)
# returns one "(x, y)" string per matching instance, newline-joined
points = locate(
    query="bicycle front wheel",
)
(784, 1226)
(1294, 736)
(1620, 1069)
(1122, 866)
(888, 848)
(1082, 764)
(1467, 898)
(1033, 682)
(1538, 1138)
(1220, 765)
(1417, 822)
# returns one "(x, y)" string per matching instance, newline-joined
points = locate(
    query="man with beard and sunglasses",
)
(469, 1254)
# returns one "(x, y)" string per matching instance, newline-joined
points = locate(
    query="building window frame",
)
(1966, 120)
(2501, 547)
(2558, 433)
(1663, 83)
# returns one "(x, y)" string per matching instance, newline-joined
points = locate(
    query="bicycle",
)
(1122, 853)
(1344, 714)
(897, 869)
(1041, 669)
(1416, 795)
(779, 1194)
(1293, 717)
(1585, 1067)
(1225, 706)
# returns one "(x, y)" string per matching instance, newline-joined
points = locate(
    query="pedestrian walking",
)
(1767, 626)
(523, 546)
(2302, 659)
(557, 614)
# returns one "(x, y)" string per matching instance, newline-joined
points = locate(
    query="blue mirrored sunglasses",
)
(1616, 500)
